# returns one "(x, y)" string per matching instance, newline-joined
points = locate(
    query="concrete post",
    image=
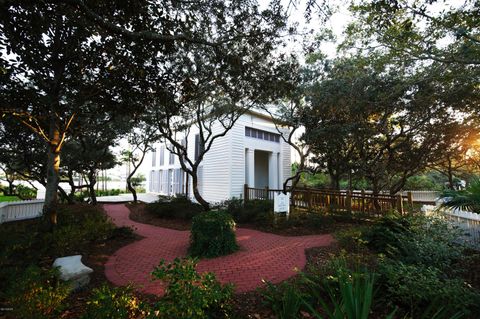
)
(273, 170)
(251, 167)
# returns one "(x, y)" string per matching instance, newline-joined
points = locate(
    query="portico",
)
(262, 168)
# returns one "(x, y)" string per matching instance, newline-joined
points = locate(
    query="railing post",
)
(363, 200)
(348, 201)
(309, 199)
(410, 199)
(266, 192)
(245, 192)
(400, 203)
(292, 198)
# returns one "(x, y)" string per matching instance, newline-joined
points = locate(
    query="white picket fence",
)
(27, 209)
(418, 196)
(468, 222)
(423, 196)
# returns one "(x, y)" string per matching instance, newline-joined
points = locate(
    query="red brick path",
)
(261, 255)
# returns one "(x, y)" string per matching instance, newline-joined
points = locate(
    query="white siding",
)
(285, 159)
(216, 168)
(237, 158)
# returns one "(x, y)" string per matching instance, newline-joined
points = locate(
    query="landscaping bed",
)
(300, 222)
(139, 214)
(82, 230)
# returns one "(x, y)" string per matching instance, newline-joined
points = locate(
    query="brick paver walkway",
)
(261, 256)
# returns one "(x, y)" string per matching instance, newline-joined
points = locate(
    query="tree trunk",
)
(450, 175)
(450, 180)
(92, 180)
(73, 187)
(375, 192)
(334, 180)
(65, 196)
(132, 190)
(53, 166)
(93, 195)
(11, 187)
(196, 193)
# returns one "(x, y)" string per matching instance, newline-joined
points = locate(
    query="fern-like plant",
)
(467, 199)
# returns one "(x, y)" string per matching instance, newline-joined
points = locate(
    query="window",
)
(157, 183)
(154, 157)
(152, 176)
(198, 146)
(162, 155)
(171, 159)
(263, 135)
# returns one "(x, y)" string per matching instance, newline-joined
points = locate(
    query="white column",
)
(250, 167)
(273, 170)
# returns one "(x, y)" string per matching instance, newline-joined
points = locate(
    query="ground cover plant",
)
(190, 295)
(4, 198)
(37, 294)
(117, 302)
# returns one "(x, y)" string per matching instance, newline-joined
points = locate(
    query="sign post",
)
(281, 203)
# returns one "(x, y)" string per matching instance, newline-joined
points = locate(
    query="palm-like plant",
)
(467, 199)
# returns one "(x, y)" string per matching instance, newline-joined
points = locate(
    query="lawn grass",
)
(4, 198)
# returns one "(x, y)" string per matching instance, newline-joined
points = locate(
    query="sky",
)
(336, 23)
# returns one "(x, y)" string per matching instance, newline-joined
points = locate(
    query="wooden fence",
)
(317, 199)
(27, 209)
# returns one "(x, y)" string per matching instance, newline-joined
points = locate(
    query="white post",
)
(273, 170)
(251, 167)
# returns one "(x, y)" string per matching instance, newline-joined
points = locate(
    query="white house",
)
(252, 153)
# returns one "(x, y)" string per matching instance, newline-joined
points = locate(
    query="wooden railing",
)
(317, 199)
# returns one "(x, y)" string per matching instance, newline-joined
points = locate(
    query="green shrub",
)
(38, 294)
(350, 297)
(345, 294)
(352, 239)
(190, 295)
(115, 303)
(80, 196)
(251, 211)
(416, 239)
(414, 287)
(212, 235)
(77, 228)
(25, 192)
(179, 207)
(285, 300)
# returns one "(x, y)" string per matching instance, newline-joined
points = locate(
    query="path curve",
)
(262, 256)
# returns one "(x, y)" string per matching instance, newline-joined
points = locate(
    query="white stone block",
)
(72, 269)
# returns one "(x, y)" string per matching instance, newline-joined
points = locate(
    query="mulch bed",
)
(301, 227)
(139, 214)
(300, 230)
(95, 257)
